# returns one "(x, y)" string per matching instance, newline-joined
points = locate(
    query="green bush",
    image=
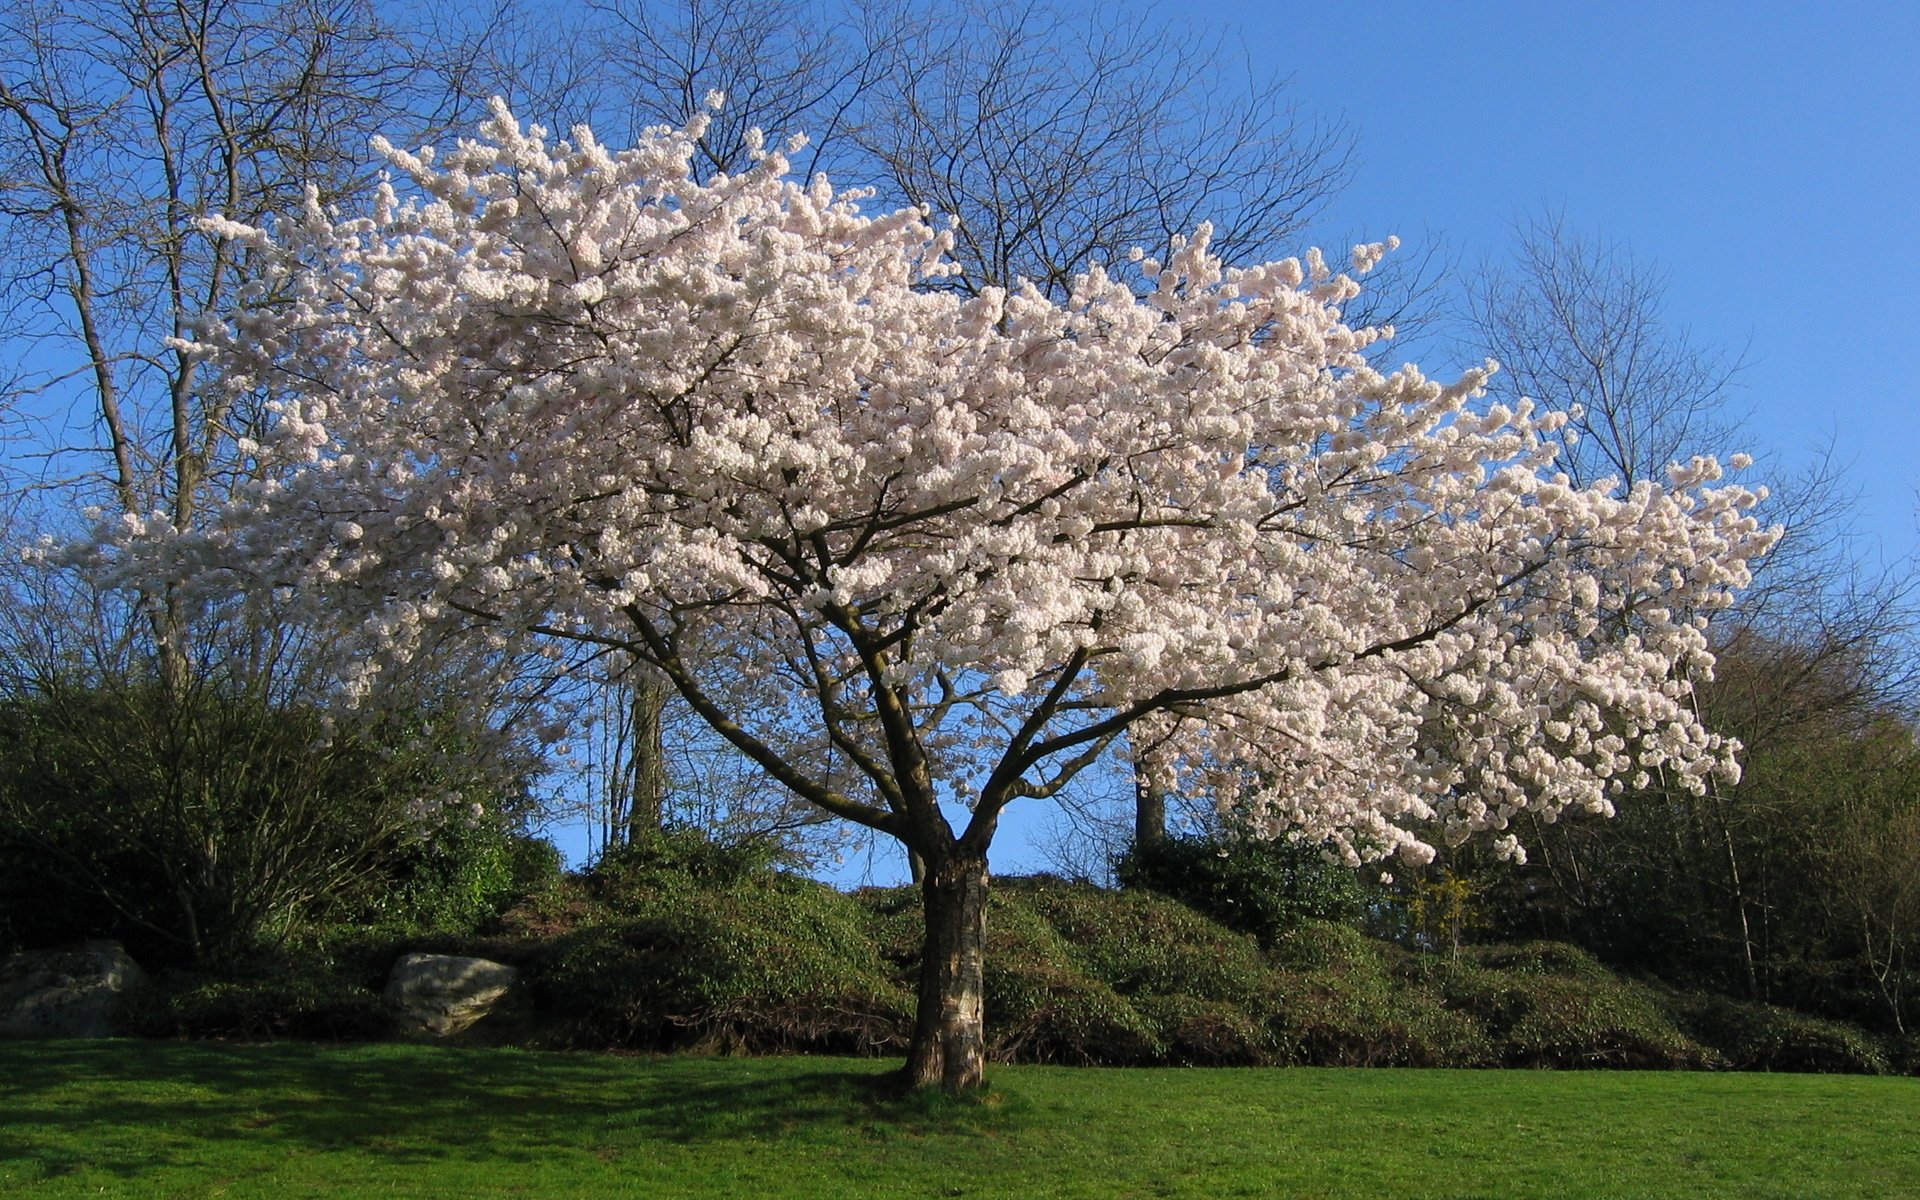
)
(1206, 1033)
(1537, 1016)
(196, 826)
(896, 924)
(1336, 1021)
(676, 858)
(1344, 999)
(1323, 945)
(679, 943)
(1543, 958)
(1252, 886)
(265, 1003)
(1903, 1053)
(47, 894)
(461, 878)
(1760, 1037)
(1042, 1005)
(771, 963)
(548, 911)
(1142, 944)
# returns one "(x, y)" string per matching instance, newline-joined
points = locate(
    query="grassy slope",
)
(287, 1120)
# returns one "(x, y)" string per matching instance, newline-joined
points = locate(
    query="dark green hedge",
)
(679, 945)
(1251, 886)
(1760, 1037)
(772, 962)
(303, 1002)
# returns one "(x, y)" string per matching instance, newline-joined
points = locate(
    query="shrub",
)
(1543, 958)
(1903, 1053)
(1205, 1033)
(1319, 945)
(771, 963)
(1042, 1005)
(673, 858)
(1340, 1022)
(1760, 1037)
(461, 878)
(551, 911)
(263, 1003)
(1142, 944)
(196, 825)
(896, 925)
(1252, 886)
(1344, 999)
(1536, 1015)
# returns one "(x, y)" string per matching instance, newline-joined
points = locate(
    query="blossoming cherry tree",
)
(923, 556)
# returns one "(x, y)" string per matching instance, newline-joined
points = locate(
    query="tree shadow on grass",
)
(825, 1101)
(124, 1108)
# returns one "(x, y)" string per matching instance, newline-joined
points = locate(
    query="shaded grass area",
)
(290, 1120)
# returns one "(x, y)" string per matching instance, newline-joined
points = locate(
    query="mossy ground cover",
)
(290, 1120)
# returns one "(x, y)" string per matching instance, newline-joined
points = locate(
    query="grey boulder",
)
(443, 994)
(71, 992)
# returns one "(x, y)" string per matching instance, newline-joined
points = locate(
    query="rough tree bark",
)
(646, 764)
(1149, 804)
(949, 1048)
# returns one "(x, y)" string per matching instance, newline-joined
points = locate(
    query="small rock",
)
(71, 992)
(443, 994)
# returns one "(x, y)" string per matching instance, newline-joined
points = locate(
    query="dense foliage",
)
(1799, 885)
(201, 826)
(682, 944)
(1257, 887)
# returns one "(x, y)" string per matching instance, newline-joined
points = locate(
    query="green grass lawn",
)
(172, 1119)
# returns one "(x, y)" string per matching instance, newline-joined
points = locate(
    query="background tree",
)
(164, 777)
(1580, 323)
(121, 126)
(1868, 872)
(1817, 653)
(225, 813)
(699, 782)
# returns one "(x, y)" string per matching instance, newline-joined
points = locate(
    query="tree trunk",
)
(949, 1047)
(647, 767)
(1149, 801)
(1149, 810)
(1739, 897)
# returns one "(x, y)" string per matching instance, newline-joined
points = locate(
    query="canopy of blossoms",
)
(903, 545)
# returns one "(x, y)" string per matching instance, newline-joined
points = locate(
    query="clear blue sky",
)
(1767, 156)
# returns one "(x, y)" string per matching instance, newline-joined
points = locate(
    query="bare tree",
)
(685, 779)
(123, 124)
(1059, 139)
(1580, 323)
(784, 67)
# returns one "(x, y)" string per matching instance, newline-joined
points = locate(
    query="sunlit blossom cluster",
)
(900, 537)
